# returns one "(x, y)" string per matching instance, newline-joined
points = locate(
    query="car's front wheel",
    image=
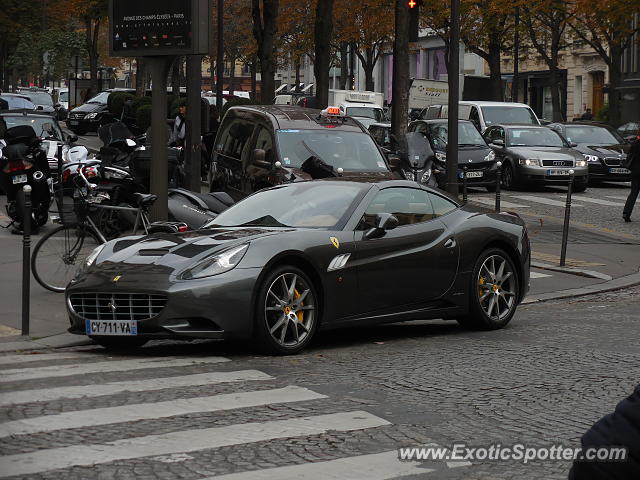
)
(509, 181)
(286, 311)
(494, 291)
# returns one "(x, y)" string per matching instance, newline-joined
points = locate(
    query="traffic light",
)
(414, 18)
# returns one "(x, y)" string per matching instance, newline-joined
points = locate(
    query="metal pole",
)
(453, 73)
(567, 215)
(26, 257)
(464, 184)
(220, 56)
(193, 144)
(159, 161)
(498, 181)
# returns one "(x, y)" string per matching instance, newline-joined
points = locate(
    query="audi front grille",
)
(117, 306)
(557, 163)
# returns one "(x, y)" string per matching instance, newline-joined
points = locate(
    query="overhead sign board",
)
(139, 28)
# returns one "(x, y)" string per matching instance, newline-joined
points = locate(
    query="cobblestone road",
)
(340, 410)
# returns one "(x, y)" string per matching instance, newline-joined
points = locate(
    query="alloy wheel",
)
(290, 310)
(507, 176)
(496, 287)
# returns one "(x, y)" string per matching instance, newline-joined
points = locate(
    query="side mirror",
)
(259, 159)
(573, 144)
(384, 222)
(498, 142)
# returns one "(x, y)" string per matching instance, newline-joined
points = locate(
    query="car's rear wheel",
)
(494, 291)
(286, 311)
(119, 343)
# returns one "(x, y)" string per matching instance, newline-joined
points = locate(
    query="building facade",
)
(630, 90)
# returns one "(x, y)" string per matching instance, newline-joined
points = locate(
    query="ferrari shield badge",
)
(335, 242)
(116, 278)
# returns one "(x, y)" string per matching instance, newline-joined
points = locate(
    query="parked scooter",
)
(24, 162)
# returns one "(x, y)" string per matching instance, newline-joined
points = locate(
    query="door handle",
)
(451, 243)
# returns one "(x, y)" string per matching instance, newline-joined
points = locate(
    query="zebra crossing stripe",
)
(153, 410)
(378, 466)
(492, 202)
(21, 374)
(620, 197)
(544, 200)
(538, 275)
(40, 357)
(183, 442)
(600, 201)
(112, 388)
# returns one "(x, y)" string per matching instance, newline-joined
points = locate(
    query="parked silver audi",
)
(532, 154)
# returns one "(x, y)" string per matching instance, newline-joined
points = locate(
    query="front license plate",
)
(619, 170)
(19, 179)
(558, 171)
(474, 174)
(73, 122)
(112, 327)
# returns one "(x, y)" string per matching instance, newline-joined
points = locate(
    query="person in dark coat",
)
(618, 429)
(633, 164)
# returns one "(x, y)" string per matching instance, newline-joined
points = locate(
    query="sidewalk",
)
(596, 261)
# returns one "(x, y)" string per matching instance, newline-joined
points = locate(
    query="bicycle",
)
(58, 254)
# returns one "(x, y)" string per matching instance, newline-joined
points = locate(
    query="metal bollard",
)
(26, 258)
(567, 215)
(464, 184)
(498, 181)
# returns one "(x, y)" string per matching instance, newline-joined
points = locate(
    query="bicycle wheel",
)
(59, 254)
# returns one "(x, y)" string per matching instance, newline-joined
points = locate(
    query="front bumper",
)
(541, 175)
(598, 171)
(219, 307)
(91, 124)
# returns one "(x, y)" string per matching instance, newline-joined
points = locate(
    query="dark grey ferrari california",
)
(289, 260)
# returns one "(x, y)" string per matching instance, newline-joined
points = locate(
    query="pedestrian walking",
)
(618, 429)
(632, 162)
(179, 126)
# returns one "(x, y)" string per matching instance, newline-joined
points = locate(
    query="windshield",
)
(43, 126)
(16, 103)
(100, 98)
(40, 98)
(522, 115)
(312, 204)
(535, 137)
(468, 135)
(593, 135)
(368, 112)
(353, 151)
(64, 97)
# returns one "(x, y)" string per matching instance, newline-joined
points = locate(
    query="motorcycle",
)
(23, 161)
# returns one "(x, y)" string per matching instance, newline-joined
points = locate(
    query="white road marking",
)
(20, 374)
(620, 197)
(378, 466)
(39, 357)
(538, 275)
(599, 201)
(543, 200)
(112, 388)
(492, 202)
(183, 442)
(152, 410)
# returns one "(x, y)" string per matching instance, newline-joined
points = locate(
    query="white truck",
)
(359, 104)
(424, 93)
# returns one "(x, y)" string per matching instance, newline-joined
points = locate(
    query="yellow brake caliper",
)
(480, 283)
(300, 314)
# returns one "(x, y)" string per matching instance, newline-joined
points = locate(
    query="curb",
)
(615, 284)
(573, 271)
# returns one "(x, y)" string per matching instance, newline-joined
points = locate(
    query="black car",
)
(89, 116)
(261, 146)
(14, 101)
(601, 146)
(474, 155)
(536, 155)
(302, 256)
(630, 131)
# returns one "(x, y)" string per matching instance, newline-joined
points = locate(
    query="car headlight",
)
(530, 162)
(591, 158)
(581, 163)
(91, 115)
(441, 156)
(219, 263)
(491, 156)
(425, 176)
(91, 258)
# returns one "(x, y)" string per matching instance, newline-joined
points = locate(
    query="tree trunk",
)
(264, 31)
(555, 95)
(497, 93)
(140, 76)
(254, 83)
(615, 79)
(91, 40)
(399, 88)
(344, 65)
(368, 67)
(322, 37)
(232, 75)
(175, 79)
(297, 69)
